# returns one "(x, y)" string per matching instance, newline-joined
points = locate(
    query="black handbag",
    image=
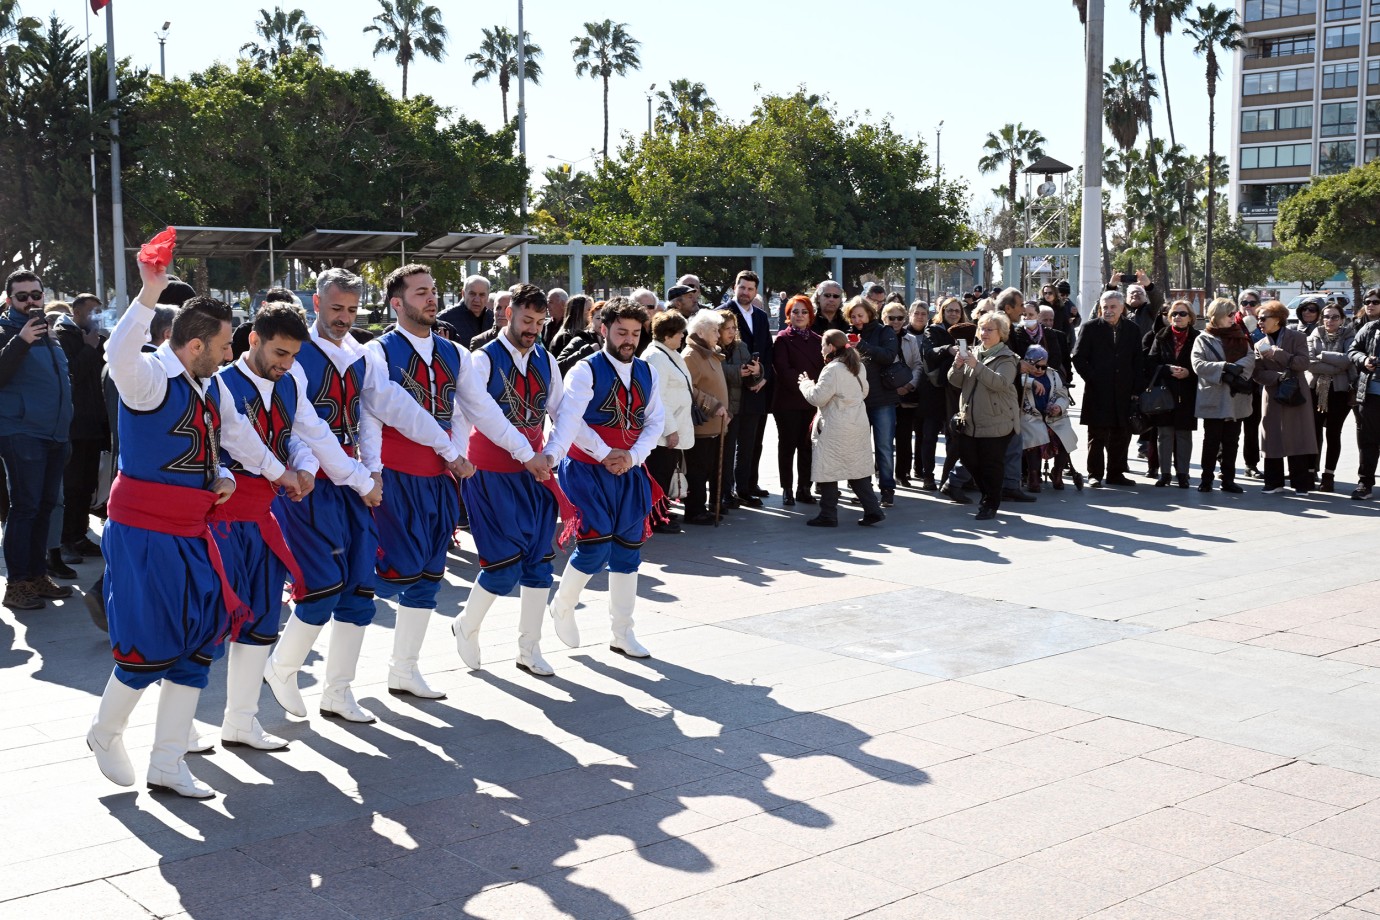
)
(896, 375)
(1157, 398)
(1288, 392)
(1140, 423)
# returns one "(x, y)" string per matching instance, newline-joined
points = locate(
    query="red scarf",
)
(1180, 339)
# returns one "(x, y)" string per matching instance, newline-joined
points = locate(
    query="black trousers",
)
(661, 463)
(1330, 423)
(1250, 427)
(79, 483)
(751, 430)
(793, 446)
(1368, 438)
(985, 459)
(1300, 471)
(1107, 451)
(701, 465)
(908, 428)
(862, 488)
(1220, 436)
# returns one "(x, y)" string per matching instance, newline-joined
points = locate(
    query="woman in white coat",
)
(1046, 432)
(678, 432)
(840, 435)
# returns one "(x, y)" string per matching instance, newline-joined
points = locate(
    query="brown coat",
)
(1287, 431)
(710, 390)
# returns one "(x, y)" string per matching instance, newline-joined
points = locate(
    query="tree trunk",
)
(606, 118)
(1168, 109)
(1356, 284)
(1011, 199)
(1145, 98)
(504, 93)
(1212, 181)
(404, 79)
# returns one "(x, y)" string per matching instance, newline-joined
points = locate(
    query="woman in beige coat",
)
(710, 393)
(1287, 431)
(987, 409)
(840, 436)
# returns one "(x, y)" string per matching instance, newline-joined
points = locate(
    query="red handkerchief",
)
(159, 250)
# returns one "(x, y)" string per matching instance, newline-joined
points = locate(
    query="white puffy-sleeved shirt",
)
(559, 439)
(579, 390)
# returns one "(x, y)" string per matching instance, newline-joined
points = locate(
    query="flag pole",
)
(95, 210)
(117, 201)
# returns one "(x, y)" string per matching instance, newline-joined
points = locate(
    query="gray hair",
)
(1108, 296)
(342, 280)
(160, 327)
(1046, 311)
(691, 280)
(557, 294)
(819, 288)
(704, 325)
(1135, 289)
(1008, 296)
(638, 294)
(1249, 292)
(472, 280)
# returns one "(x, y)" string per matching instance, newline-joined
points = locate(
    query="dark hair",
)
(176, 294)
(273, 320)
(576, 314)
(1063, 287)
(747, 274)
(83, 298)
(666, 324)
(527, 295)
(1373, 292)
(162, 321)
(621, 308)
(199, 318)
(896, 297)
(397, 279)
(280, 295)
(22, 274)
(842, 352)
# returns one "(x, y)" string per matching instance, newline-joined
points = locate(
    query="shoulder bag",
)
(1157, 398)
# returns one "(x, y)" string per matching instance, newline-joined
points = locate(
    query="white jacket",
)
(1034, 432)
(841, 435)
(676, 397)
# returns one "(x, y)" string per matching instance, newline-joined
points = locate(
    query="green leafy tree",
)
(407, 29)
(565, 194)
(498, 57)
(1241, 262)
(1335, 217)
(1212, 29)
(1011, 148)
(1166, 15)
(282, 34)
(604, 50)
(1303, 267)
(685, 106)
(1124, 109)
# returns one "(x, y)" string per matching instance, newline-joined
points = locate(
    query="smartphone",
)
(962, 348)
(1128, 278)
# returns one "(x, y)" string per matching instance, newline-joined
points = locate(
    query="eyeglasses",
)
(1040, 367)
(831, 295)
(1250, 303)
(27, 296)
(1180, 313)
(1327, 316)
(895, 319)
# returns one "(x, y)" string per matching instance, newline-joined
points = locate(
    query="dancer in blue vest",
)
(331, 531)
(421, 507)
(168, 599)
(616, 397)
(513, 511)
(260, 387)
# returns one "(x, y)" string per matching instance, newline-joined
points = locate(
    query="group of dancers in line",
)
(338, 469)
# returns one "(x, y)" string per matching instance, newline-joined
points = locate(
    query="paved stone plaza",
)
(1149, 706)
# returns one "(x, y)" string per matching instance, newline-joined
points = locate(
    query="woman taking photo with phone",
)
(987, 409)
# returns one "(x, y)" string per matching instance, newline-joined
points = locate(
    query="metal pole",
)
(1090, 241)
(95, 210)
(163, 56)
(522, 137)
(117, 198)
(938, 163)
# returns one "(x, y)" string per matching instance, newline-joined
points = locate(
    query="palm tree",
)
(1210, 29)
(1167, 14)
(1123, 107)
(498, 56)
(685, 106)
(282, 33)
(407, 29)
(1145, 9)
(1010, 147)
(605, 49)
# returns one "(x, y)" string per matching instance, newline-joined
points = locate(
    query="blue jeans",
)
(883, 422)
(34, 468)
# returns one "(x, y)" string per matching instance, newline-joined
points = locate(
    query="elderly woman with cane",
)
(709, 391)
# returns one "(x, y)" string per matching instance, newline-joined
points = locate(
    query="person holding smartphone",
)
(35, 423)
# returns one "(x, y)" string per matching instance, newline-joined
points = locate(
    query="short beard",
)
(613, 352)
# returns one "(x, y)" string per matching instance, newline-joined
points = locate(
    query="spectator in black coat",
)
(936, 357)
(1169, 353)
(84, 343)
(1108, 358)
(472, 316)
(828, 301)
(879, 347)
(754, 330)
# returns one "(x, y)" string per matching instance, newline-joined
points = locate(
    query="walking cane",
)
(719, 473)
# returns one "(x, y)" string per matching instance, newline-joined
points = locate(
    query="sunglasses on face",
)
(1180, 313)
(1040, 367)
(831, 296)
(27, 296)
(1310, 309)
(1327, 316)
(1372, 303)
(1250, 303)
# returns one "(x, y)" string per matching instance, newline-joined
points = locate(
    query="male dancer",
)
(513, 514)
(616, 397)
(420, 507)
(259, 387)
(331, 531)
(168, 600)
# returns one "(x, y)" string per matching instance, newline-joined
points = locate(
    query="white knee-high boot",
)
(466, 626)
(168, 770)
(409, 632)
(342, 657)
(244, 678)
(622, 599)
(106, 737)
(280, 671)
(532, 611)
(562, 607)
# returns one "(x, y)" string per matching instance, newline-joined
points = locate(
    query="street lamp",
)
(162, 36)
(938, 164)
(651, 89)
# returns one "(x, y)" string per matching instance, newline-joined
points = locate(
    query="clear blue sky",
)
(974, 65)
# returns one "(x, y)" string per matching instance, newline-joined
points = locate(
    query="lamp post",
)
(651, 89)
(1090, 241)
(522, 138)
(162, 35)
(938, 164)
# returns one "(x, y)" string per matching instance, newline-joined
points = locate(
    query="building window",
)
(1372, 149)
(1373, 116)
(1338, 118)
(1341, 36)
(1282, 81)
(1339, 76)
(1274, 9)
(1272, 157)
(1375, 33)
(1372, 73)
(1342, 9)
(1255, 198)
(1260, 231)
(1283, 47)
(1282, 119)
(1336, 157)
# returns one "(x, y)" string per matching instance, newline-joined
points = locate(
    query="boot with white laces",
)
(338, 700)
(466, 625)
(106, 737)
(244, 670)
(622, 598)
(168, 770)
(409, 632)
(532, 612)
(562, 607)
(280, 671)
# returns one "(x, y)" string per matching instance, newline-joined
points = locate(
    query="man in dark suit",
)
(754, 329)
(472, 316)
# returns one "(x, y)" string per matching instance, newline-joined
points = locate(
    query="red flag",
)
(98, 5)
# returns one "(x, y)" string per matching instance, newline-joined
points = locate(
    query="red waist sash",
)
(252, 503)
(489, 457)
(178, 511)
(617, 438)
(349, 452)
(404, 455)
